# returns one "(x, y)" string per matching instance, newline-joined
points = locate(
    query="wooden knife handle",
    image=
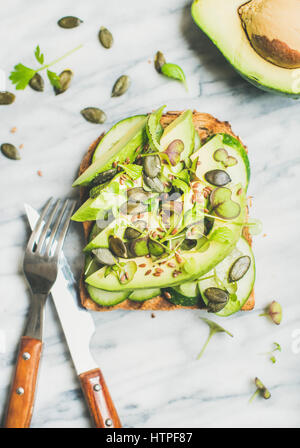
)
(99, 401)
(21, 399)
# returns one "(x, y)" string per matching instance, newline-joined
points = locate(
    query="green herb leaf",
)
(21, 76)
(222, 235)
(54, 79)
(38, 55)
(213, 329)
(174, 71)
(277, 347)
(178, 183)
(132, 170)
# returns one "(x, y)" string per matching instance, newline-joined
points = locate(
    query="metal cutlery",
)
(78, 327)
(40, 268)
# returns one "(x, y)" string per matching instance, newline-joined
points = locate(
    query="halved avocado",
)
(221, 21)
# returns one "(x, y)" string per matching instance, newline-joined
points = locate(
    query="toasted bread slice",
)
(206, 125)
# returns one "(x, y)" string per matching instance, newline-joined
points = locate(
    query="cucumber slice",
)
(189, 289)
(101, 297)
(144, 294)
(115, 134)
(224, 152)
(240, 290)
(106, 298)
(125, 147)
(177, 298)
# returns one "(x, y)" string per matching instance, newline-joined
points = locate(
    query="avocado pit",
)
(273, 29)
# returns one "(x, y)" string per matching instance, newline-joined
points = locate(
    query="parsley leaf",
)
(21, 76)
(54, 79)
(38, 55)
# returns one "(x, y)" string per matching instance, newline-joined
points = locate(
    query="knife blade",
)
(78, 327)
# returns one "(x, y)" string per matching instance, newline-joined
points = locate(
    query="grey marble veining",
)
(149, 364)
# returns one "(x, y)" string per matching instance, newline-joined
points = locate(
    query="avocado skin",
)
(255, 82)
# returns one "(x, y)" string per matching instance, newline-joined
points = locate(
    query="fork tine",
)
(46, 228)
(38, 225)
(55, 227)
(64, 230)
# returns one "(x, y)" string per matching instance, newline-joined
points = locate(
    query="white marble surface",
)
(149, 363)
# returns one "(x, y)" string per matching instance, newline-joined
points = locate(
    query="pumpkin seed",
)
(6, 98)
(65, 79)
(159, 61)
(93, 115)
(155, 184)
(174, 150)
(133, 208)
(139, 247)
(10, 151)
(137, 194)
(105, 37)
(117, 247)
(216, 295)
(218, 178)
(103, 177)
(69, 22)
(239, 268)
(215, 307)
(121, 86)
(188, 244)
(37, 83)
(105, 256)
(155, 248)
(152, 166)
(131, 233)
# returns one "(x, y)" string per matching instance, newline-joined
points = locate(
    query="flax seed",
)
(174, 231)
(39, 173)
(126, 275)
(123, 278)
(159, 270)
(174, 274)
(157, 274)
(154, 234)
(13, 130)
(148, 272)
(239, 192)
(21, 146)
(114, 164)
(171, 264)
(160, 229)
(167, 295)
(127, 160)
(143, 265)
(178, 258)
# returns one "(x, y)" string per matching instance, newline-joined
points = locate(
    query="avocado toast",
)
(164, 215)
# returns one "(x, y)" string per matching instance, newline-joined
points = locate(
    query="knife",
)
(78, 327)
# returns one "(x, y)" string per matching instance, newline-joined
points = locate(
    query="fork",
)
(40, 268)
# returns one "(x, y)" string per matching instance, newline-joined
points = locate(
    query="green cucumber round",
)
(184, 295)
(140, 295)
(106, 298)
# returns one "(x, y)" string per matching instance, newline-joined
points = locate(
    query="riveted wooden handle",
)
(20, 405)
(99, 401)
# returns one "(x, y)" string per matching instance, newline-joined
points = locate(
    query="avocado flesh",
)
(181, 128)
(203, 261)
(220, 20)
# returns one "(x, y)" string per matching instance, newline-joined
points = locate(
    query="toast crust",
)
(206, 125)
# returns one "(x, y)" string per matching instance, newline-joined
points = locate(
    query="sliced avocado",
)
(238, 291)
(124, 148)
(102, 238)
(181, 128)
(223, 152)
(96, 208)
(202, 261)
(221, 21)
(141, 295)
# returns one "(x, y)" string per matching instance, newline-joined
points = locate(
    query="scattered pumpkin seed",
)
(154, 184)
(159, 61)
(121, 86)
(239, 268)
(117, 247)
(69, 22)
(131, 233)
(10, 151)
(103, 177)
(37, 83)
(139, 247)
(155, 248)
(218, 178)
(65, 79)
(152, 166)
(137, 194)
(105, 37)
(133, 208)
(6, 98)
(93, 115)
(216, 295)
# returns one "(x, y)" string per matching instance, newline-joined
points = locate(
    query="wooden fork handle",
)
(21, 399)
(99, 401)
